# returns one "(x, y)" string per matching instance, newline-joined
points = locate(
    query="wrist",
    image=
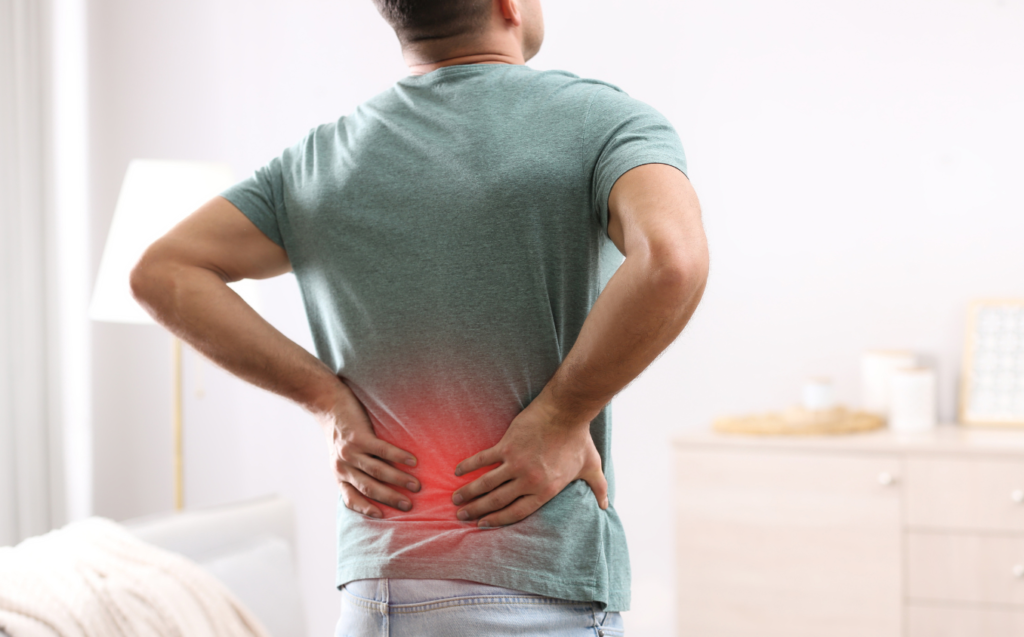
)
(560, 407)
(326, 395)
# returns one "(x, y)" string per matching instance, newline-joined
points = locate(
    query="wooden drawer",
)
(965, 568)
(938, 621)
(788, 544)
(979, 494)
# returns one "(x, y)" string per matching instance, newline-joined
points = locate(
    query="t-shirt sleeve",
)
(620, 134)
(263, 196)
(261, 199)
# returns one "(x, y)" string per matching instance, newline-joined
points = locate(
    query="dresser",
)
(865, 535)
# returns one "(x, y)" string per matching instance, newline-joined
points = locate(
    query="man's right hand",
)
(362, 463)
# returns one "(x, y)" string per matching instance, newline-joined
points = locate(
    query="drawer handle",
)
(886, 479)
(1018, 571)
(1017, 495)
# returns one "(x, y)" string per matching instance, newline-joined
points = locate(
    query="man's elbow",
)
(150, 280)
(680, 273)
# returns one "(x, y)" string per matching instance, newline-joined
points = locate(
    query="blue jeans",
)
(457, 608)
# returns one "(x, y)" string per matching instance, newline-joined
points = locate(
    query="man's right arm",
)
(182, 281)
(655, 221)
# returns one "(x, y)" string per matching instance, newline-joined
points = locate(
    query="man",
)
(449, 238)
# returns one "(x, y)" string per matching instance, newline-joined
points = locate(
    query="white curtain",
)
(30, 467)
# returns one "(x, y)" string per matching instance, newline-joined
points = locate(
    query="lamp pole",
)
(177, 425)
(155, 195)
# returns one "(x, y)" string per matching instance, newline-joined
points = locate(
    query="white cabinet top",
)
(946, 439)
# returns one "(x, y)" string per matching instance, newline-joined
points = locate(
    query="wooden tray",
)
(800, 422)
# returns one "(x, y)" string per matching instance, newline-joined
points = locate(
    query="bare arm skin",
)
(182, 281)
(655, 221)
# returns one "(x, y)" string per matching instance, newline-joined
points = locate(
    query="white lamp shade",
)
(154, 197)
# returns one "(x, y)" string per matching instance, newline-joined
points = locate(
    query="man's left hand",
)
(538, 456)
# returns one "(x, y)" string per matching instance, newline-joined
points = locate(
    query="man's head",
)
(458, 23)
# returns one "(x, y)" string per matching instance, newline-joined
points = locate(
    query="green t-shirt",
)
(449, 238)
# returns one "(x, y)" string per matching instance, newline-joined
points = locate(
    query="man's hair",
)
(417, 20)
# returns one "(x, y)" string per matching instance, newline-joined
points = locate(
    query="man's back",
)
(448, 238)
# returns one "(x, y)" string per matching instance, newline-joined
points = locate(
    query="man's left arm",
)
(654, 219)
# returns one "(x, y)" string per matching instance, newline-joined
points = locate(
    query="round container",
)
(818, 394)
(912, 399)
(877, 368)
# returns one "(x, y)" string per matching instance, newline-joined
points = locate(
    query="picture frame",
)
(992, 384)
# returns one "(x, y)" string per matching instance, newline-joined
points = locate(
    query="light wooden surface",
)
(965, 493)
(873, 535)
(780, 544)
(945, 440)
(954, 621)
(955, 567)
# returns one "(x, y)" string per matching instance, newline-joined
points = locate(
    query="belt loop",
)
(385, 589)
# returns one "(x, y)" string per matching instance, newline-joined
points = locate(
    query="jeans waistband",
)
(419, 591)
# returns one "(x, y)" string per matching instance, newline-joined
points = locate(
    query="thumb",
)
(594, 477)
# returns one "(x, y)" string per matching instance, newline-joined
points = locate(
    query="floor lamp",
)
(154, 197)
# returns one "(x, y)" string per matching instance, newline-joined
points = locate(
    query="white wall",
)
(857, 162)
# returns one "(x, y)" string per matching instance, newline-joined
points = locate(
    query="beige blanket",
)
(94, 579)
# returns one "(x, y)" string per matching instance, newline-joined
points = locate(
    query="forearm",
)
(549, 444)
(197, 305)
(641, 311)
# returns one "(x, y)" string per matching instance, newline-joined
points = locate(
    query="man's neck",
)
(422, 59)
